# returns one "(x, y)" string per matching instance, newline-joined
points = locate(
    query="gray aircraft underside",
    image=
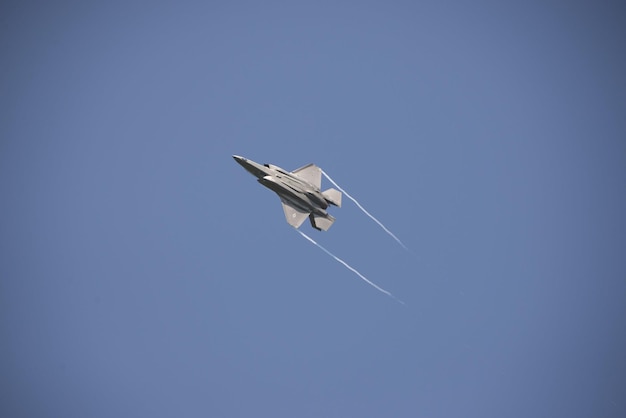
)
(299, 192)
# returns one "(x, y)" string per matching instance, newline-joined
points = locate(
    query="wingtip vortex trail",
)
(391, 234)
(352, 269)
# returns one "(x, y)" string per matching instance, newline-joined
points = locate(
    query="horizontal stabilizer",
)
(333, 197)
(321, 223)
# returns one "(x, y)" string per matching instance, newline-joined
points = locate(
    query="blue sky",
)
(145, 273)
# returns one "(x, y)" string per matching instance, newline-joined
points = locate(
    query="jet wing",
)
(310, 173)
(294, 216)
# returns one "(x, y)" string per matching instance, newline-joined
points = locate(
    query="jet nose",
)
(243, 162)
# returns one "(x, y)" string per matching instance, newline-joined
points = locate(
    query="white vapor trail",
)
(348, 267)
(365, 211)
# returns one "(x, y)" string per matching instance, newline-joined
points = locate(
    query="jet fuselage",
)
(288, 186)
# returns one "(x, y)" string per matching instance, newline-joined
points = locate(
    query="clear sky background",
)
(145, 274)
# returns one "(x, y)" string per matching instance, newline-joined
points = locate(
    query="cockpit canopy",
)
(274, 167)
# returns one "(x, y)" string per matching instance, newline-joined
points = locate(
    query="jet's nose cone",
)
(244, 162)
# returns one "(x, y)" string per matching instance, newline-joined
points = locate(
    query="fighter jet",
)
(299, 192)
